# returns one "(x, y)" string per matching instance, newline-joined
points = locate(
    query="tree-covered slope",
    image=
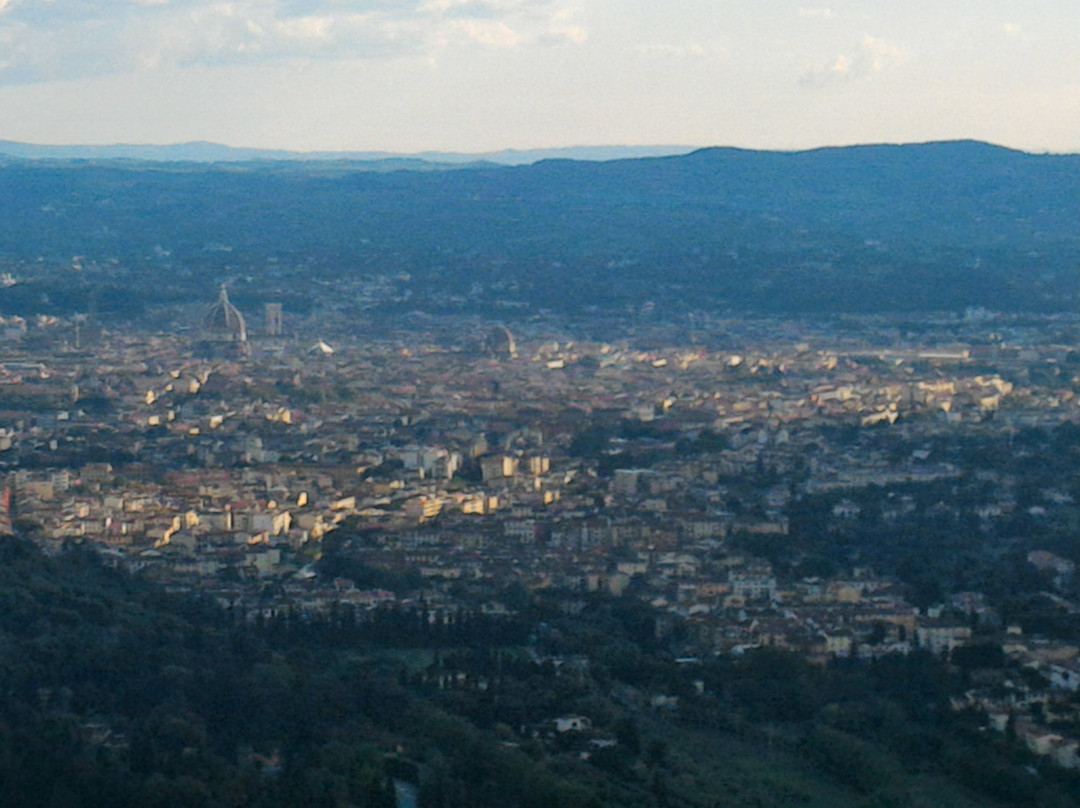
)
(869, 228)
(114, 693)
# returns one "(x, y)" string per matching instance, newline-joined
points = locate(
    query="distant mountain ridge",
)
(207, 152)
(933, 226)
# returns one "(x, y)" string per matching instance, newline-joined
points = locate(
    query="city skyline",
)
(484, 75)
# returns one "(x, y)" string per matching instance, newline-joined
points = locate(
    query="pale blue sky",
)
(477, 75)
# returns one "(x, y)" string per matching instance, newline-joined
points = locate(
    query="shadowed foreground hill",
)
(115, 693)
(867, 228)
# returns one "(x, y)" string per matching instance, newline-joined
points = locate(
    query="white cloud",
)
(877, 55)
(487, 32)
(678, 51)
(447, 6)
(872, 57)
(570, 33)
(1011, 28)
(64, 39)
(816, 12)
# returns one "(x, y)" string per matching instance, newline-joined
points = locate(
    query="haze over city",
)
(356, 452)
(480, 75)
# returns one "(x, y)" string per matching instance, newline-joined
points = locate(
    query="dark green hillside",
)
(870, 228)
(116, 694)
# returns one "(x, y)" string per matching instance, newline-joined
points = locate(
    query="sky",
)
(482, 75)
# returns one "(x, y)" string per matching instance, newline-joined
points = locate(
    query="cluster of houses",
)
(560, 465)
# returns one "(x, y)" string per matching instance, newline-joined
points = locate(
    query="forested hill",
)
(116, 693)
(867, 228)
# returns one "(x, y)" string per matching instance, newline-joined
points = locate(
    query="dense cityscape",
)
(539, 404)
(797, 485)
(731, 478)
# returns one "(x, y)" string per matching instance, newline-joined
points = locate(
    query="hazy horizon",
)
(476, 76)
(646, 149)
